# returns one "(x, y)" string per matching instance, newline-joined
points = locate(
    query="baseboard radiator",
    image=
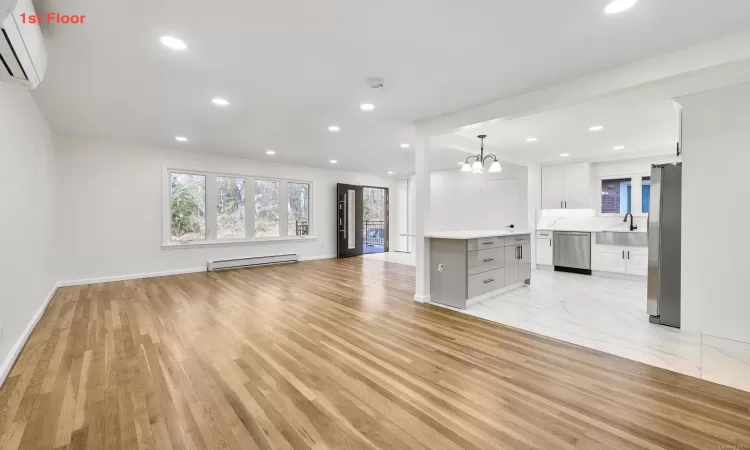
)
(237, 263)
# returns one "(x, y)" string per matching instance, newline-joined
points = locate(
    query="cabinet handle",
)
(623, 254)
(488, 243)
(566, 204)
(550, 242)
(628, 254)
(561, 205)
(520, 247)
(488, 260)
(488, 281)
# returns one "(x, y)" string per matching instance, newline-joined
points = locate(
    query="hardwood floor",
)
(331, 354)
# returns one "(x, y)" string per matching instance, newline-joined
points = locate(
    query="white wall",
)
(465, 201)
(715, 213)
(110, 212)
(27, 221)
(400, 205)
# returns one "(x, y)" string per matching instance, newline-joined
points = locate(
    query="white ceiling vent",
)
(23, 58)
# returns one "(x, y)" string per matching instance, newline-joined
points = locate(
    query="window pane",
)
(230, 207)
(299, 209)
(266, 208)
(645, 194)
(188, 206)
(616, 196)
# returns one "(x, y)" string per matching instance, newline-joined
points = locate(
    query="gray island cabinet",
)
(466, 267)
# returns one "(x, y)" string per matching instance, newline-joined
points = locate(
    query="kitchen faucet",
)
(632, 227)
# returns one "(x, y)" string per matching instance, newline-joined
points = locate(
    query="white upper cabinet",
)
(553, 187)
(566, 186)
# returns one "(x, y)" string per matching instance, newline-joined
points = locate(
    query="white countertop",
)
(617, 229)
(473, 234)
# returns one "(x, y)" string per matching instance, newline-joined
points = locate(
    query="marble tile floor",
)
(610, 315)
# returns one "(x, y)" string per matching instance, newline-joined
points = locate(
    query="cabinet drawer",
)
(518, 240)
(484, 260)
(544, 234)
(484, 282)
(484, 243)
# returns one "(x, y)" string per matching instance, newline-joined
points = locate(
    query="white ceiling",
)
(292, 68)
(644, 126)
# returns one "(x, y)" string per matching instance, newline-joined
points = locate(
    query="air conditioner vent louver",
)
(9, 58)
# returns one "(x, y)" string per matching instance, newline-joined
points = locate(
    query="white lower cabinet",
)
(544, 251)
(612, 258)
(637, 262)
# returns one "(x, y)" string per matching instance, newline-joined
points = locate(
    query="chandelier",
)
(480, 159)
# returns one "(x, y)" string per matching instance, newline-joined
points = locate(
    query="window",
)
(616, 196)
(206, 208)
(645, 194)
(266, 208)
(298, 218)
(188, 206)
(230, 207)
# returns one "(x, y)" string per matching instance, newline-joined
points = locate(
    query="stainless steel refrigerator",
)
(664, 242)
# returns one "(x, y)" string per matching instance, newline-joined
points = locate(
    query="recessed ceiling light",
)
(405, 145)
(596, 128)
(180, 139)
(366, 106)
(333, 161)
(270, 152)
(333, 128)
(564, 154)
(173, 43)
(219, 101)
(619, 147)
(390, 173)
(618, 6)
(531, 139)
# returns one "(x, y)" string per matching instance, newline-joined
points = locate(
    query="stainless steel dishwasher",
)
(572, 251)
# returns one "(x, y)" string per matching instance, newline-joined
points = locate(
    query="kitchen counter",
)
(472, 234)
(469, 266)
(624, 228)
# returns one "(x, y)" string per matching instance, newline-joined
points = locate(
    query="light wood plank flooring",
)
(331, 354)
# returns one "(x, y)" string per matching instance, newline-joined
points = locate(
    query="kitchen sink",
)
(622, 239)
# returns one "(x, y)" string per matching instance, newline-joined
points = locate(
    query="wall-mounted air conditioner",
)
(23, 57)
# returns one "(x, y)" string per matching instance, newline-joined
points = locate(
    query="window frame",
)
(309, 207)
(168, 188)
(212, 214)
(635, 183)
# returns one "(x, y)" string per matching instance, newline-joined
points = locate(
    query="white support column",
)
(534, 202)
(422, 214)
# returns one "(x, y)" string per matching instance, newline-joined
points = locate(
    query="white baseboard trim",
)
(422, 298)
(132, 276)
(620, 276)
(16, 350)
(545, 267)
(315, 258)
(135, 276)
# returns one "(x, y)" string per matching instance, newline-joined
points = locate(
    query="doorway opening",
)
(375, 226)
(361, 220)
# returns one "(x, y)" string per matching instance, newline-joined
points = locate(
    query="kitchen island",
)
(469, 266)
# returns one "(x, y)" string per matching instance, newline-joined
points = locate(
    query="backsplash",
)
(584, 219)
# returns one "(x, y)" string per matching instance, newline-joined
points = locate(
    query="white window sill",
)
(263, 240)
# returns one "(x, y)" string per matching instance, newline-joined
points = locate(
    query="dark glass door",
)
(349, 219)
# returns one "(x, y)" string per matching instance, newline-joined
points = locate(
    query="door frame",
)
(387, 225)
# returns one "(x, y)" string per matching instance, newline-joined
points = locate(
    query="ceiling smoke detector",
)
(375, 84)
